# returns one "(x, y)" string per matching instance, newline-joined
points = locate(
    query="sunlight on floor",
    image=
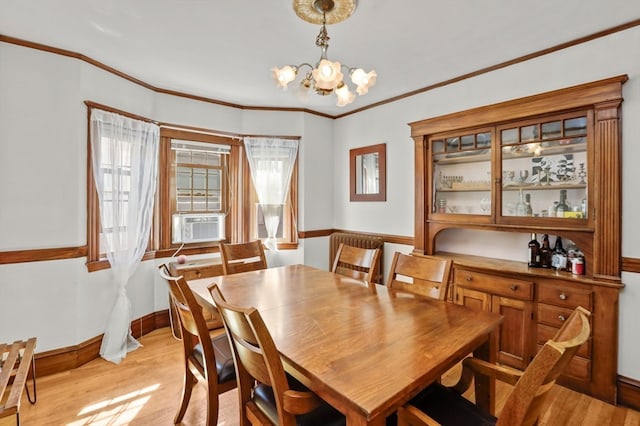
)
(117, 411)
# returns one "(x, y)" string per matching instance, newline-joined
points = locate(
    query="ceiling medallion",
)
(314, 11)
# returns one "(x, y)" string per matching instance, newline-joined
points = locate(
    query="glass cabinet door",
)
(544, 168)
(461, 168)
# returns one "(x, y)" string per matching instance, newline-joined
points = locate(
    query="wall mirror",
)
(367, 173)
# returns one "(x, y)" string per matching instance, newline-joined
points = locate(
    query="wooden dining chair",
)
(423, 275)
(267, 395)
(439, 405)
(356, 262)
(242, 257)
(207, 359)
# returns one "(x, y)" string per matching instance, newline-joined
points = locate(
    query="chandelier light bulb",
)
(327, 75)
(363, 80)
(284, 75)
(345, 96)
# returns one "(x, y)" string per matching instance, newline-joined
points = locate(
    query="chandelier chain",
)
(322, 40)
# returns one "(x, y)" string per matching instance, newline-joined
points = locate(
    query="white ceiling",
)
(225, 50)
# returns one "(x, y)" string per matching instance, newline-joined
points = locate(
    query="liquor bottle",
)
(527, 203)
(562, 205)
(545, 252)
(534, 252)
(559, 255)
(521, 207)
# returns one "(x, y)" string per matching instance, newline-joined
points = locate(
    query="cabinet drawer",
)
(546, 333)
(564, 296)
(194, 274)
(552, 315)
(508, 287)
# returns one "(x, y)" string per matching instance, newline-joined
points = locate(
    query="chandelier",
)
(325, 77)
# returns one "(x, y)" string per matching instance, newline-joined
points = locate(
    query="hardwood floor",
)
(145, 390)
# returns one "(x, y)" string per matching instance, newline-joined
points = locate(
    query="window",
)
(205, 195)
(199, 201)
(287, 231)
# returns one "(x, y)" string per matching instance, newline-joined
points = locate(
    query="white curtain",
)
(271, 162)
(125, 166)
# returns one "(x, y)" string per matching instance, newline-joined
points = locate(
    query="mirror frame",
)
(379, 149)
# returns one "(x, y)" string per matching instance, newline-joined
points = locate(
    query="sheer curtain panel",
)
(125, 167)
(271, 162)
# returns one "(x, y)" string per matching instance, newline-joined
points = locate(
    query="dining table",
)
(364, 350)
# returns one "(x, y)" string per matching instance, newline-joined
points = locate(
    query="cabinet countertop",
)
(520, 268)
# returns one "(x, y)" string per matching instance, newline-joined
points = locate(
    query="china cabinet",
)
(545, 164)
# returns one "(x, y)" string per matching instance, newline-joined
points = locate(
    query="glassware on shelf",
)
(485, 205)
(524, 174)
(521, 206)
(582, 173)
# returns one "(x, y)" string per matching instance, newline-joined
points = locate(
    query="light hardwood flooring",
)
(144, 389)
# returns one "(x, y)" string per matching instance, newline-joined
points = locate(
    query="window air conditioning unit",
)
(197, 228)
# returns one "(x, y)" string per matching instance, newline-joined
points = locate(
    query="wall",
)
(43, 162)
(602, 58)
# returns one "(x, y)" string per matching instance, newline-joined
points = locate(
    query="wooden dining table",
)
(366, 351)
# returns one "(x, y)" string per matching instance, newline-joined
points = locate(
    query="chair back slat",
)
(356, 262)
(242, 257)
(424, 275)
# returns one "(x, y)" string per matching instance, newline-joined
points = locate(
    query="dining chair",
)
(207, 359)
(423, 275)
(242, 257)
(267, 395)
(440, 405)
(356, 262)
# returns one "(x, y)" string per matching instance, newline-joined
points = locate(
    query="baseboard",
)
(64, 359)
(629, 392)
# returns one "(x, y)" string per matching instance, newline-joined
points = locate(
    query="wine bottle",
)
(527, 203)
(545, 252)
(521, 207)
(562, 205)
(559, 255)
(534, 252)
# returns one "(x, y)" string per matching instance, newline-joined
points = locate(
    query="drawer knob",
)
(513, 287)
(563, 296)
(562, 318)
(469, 278)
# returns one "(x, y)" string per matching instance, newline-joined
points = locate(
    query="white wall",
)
(43, 177)
(602, 58)
(43, 163)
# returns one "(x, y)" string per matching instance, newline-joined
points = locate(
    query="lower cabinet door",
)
(473, 299)
(515, 347)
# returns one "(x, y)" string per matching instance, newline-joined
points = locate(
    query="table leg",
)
(485, 387)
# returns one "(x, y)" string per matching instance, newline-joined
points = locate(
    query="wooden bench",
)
(15, 360)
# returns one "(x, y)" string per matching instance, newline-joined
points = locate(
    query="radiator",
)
(357, 240)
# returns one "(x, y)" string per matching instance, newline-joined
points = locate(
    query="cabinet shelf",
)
(508, 154)
(543, 187)
(463, 157)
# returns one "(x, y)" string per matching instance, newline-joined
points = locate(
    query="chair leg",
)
(189, 382)
(212, 400)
